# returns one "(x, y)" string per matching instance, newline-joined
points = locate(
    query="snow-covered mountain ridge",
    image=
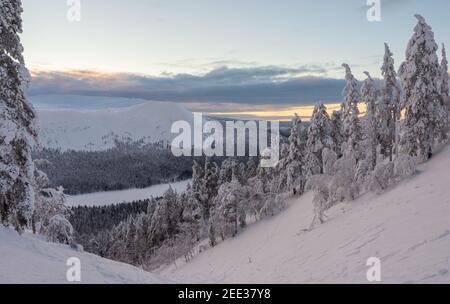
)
(95, 123)
(407, 228)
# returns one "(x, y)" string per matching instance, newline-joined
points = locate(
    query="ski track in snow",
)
(408, 228)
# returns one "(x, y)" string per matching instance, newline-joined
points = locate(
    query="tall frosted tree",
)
(388, 109)
(419, 76)
(296, 151)
(444, 77)
(229, 210)
(319, 138)
(210, 185)
(166, 217)
(295, 139)
(443, 90)
(369, 96)
(351, 123)
(336, 132)
(17, 122)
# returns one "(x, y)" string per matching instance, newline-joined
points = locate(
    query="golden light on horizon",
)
(286, 114)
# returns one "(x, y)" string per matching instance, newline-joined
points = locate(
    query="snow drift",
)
(28, 259)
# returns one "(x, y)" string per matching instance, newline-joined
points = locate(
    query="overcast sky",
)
(214, 55)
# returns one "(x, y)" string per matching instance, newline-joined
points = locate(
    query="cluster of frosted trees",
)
(25, 199)
(405, 118)
(215, 206)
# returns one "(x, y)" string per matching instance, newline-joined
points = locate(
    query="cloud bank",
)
(269, 85)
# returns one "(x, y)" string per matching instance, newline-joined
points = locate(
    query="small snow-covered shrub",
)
(320, 185)
(273, 204)
(386, 175)
(329, 158)
(404, 167)
(382, 177)
(59, 230)
(362, 175)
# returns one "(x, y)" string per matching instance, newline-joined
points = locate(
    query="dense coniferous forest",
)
(89, 223)
(123, 167)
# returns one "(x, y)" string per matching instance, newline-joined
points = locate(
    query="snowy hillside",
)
(408, 228)
(33, 260)
(94, 123)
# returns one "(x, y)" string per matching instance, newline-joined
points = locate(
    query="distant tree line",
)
(123, 167)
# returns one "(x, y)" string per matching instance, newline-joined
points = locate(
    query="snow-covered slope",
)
(29, 259)
(94, 123)
(408, 228)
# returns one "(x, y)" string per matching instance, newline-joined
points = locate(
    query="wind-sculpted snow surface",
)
(407, 228)
(29, 259)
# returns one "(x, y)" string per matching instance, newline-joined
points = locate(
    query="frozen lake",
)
(117, 197)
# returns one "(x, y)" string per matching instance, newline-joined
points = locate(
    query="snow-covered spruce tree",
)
(198, 191)
(257, 195)
(17, 123)
(369, 96)
(295, 142)
(381, 177)
(229, 209)
(165, 219)
(295, 158)
(351, 122)
(419, 76)
(142, 224)
(444, 78)
(343, 186)
(336, 132)
(272, 205)
(251, 168)
(51, 215)
(319, 138)
(226, 170)
(320, 185)
(388, 106)
(445, 100)
(192, 216)
(210, 185)
(59, 230)
(284, 180)
(329, 158)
